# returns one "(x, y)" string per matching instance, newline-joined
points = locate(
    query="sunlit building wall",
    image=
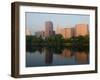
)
(81, 30)
(58, 30)
(65, 32)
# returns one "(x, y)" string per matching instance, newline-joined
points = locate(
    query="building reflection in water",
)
(82, 57)
(45, 56)
(48, 56)
(67, 53)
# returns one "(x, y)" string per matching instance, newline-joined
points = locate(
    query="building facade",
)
(49, 29)
(27, 32)
(78, 30)
(81, 30)
(65, 32)
(40, 34)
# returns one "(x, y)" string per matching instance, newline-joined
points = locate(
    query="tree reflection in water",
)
(81, 55)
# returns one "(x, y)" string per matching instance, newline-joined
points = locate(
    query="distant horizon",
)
(62, 20)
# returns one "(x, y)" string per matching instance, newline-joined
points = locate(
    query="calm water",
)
(52, 56)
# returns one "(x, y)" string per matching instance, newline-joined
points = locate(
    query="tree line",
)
(57, 40)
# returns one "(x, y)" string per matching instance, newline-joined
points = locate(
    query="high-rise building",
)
(65, 32)
(81, 30)
(40, 34)
(27, 32)
(49, 29)
(58, 30)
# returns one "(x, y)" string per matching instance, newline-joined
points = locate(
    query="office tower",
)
(40, 34)
(27, 32)
(65, 32)
(49, 29)
(58, 30)
(81, 30)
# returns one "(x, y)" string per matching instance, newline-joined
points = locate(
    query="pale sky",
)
(36, 21)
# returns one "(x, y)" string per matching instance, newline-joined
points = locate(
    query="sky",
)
(35, 21)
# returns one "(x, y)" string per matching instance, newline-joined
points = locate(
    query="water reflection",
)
(52, 56)
(81, 57)
(48, 56)
(67, 53)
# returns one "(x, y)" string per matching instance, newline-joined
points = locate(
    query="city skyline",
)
(78, 30)
(36, 21)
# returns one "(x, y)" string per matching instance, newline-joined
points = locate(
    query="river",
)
(56, 56)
